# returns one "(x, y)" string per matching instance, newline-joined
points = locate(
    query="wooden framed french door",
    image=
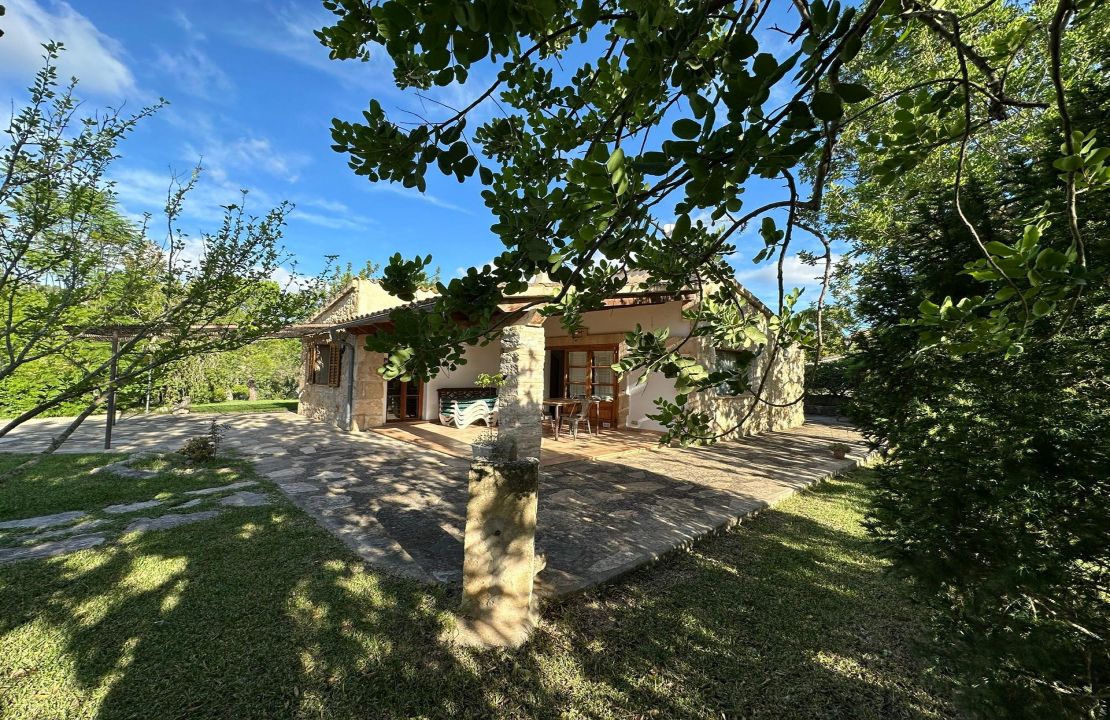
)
(404, 400)
(587, 372)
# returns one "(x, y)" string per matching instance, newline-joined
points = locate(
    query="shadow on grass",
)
(261, 614)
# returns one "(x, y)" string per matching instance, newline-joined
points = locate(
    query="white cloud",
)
(332, 221)
(141, 190)
(222, 157)
(795, 273)
(186, 24)
(290, 35)
(195, 73)
(95, 58)
(291, 280)
(412, 194)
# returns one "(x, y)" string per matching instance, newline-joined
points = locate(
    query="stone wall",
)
(782, 390)
(320, 402)
(329, 404)
(368, 408)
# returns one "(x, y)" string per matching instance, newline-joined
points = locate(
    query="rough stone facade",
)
(782, 392)
(520, 399)
(368, 398)
(362, 406)
(329, 404)
(320, 402)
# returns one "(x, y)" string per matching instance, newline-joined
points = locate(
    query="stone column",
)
(499, 561)
(520, 398)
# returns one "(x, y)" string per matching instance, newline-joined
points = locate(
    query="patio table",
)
(559, 404)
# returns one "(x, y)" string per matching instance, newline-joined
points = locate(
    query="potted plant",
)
(839, 450)
(485, 446)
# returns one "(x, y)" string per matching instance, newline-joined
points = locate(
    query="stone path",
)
(41, 543)
(402, 507)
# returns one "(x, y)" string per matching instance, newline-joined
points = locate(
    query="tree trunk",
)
(58, 440)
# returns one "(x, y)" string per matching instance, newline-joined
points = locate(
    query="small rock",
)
(123, 470)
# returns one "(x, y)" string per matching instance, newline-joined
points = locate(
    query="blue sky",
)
(251, 96)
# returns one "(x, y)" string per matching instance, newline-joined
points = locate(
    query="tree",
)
(629, 131)
(72, 270)
(270, 367)
(996, 492)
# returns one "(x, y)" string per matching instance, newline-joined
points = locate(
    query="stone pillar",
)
(499, 554)
(520, 398)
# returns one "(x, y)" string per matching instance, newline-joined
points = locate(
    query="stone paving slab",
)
(402, 507)
(43, 521)
(221, 488)
(50, 549)
(169, 520)
(245, 498)
(131, 507)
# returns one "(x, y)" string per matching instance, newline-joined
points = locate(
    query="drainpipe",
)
(350, 420)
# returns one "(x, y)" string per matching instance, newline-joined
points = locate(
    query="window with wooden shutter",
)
(334, 364)
(319, 363)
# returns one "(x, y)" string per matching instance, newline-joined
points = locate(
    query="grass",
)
(58, 483)
(261, 614)
(241, 406)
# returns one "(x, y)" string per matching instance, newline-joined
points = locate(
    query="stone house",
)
(341, 384)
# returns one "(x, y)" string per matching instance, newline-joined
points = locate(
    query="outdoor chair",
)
(581, 412)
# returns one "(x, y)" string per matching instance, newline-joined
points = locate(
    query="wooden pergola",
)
(115, 333)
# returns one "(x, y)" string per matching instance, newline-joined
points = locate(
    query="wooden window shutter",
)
(333, 365)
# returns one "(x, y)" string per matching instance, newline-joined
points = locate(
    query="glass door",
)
(589, 375)
(403, 400)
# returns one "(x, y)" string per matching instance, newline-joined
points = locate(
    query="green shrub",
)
(204, 448)
(835, 377)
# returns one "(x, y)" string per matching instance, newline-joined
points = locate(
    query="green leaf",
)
(826, 106)
(1042, 308)
(437, 58)
(997, 248)
(1068, 163)
(615, 161)
(852, 92)
(681, 227)
(686, 129)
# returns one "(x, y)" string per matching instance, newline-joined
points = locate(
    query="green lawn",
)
(261, 614)
(242, 406)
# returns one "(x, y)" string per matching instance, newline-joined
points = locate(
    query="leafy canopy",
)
(621, 136)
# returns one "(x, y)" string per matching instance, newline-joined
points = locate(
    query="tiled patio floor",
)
(587, 446)
(402, 506)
